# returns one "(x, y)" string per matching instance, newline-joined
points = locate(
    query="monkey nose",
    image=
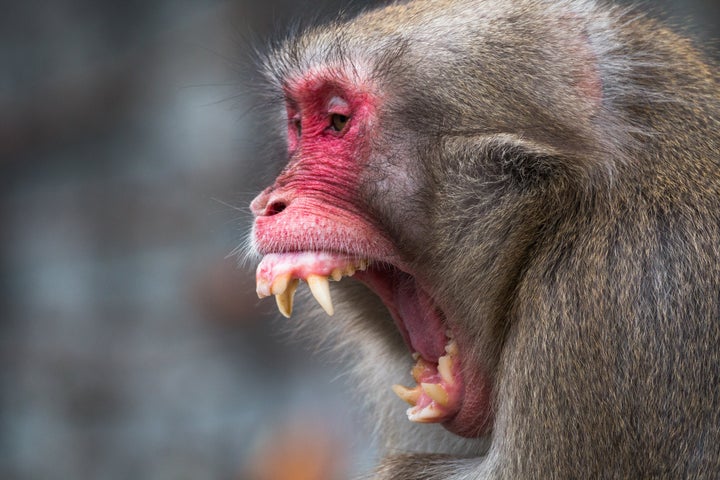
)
(267, 204)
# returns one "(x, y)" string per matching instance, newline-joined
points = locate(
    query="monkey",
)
(526, 194)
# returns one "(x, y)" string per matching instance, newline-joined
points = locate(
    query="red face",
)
(313, 224)
(317, 191)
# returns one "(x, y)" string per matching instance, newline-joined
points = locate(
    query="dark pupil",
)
(298, 127)
(339, 122)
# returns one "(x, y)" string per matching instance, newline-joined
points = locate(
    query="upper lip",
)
(278, 274)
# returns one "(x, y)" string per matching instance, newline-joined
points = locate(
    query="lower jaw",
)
(448, 392)
(467, 411)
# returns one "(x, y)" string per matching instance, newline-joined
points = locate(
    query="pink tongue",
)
(421, 319)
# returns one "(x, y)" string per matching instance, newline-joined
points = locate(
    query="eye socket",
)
(338, 122)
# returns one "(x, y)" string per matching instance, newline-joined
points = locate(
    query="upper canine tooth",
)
(284, 299)
(320, 289)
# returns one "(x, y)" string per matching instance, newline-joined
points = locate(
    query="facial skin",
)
(527, 196)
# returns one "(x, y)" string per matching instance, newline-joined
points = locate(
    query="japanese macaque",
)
(527, 196)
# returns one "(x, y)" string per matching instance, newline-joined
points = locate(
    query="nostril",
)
(270, 202)
(275, 208)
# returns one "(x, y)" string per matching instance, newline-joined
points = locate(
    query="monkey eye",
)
(298, 126)
(338, 122)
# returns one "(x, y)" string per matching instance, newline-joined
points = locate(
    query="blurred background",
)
(131, 343)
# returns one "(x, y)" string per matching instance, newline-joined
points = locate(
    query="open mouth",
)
(438, 394)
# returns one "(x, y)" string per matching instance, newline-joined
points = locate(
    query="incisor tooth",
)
(262, 288)
(429, 414)
(336, 274)
(451, 348)
(410, 395)
(280, 283)
(285, 298)
(436, 392)
(320, 289)
(445, 368)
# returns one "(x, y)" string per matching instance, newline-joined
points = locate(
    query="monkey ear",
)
(524, 162)
(509, 158)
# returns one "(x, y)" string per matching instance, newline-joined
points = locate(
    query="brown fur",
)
(561, 191)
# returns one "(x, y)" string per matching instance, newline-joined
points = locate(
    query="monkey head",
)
(418, 187)
(323, 219)
(493, 173)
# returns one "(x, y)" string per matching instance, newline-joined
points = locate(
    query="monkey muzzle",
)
(438, 395)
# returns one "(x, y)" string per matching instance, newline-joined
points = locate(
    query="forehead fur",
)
(371, 44)
(333, 51)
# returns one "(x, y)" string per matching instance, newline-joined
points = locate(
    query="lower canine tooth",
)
(411, 396)
(445, 368)
(285, 299)
(320, 289)
(436, 392)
